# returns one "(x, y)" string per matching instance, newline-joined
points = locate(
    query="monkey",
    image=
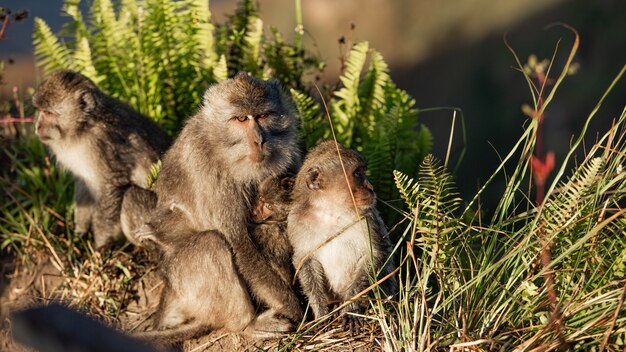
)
(135, 210)
(338, 237)
(105, 144)
(269, 224)
(186, 257)
(245, 131)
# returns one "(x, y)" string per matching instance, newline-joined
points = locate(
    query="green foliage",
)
(154, 173)
(159, 55)
(370, 114)
(35, 195)
(470, 281)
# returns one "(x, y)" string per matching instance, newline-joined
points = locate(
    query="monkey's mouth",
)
(257, 157)
(363, 202)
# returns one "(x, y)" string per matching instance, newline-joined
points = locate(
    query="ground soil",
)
(25, 284)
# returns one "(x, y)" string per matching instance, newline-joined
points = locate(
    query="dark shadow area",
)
(482, 80)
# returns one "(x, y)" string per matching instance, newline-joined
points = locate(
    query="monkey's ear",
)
(87, 101)
(313, 178)
(286, 183)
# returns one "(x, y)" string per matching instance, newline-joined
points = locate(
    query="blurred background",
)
(444, 53)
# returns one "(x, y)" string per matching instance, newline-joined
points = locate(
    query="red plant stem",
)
(5, 23)
(16, 119)
(546, 251)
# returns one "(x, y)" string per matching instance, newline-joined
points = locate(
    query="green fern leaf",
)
(51, 54)
(409, 189)
(78, 26)
(567, 206)
(154, 174)
(252, 46)
(203, 33)
(350, 78)
(312, 121)
(220, 71)
(372, 90)
(437, 188)
(83, 63)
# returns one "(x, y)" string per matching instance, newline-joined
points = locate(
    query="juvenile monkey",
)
(245, 131)
(184, 311)
(269, 224)
(338, 237)
(105, 144)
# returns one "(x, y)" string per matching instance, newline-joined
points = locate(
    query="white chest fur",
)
(81, 162)
(345, 255)
(339, 241)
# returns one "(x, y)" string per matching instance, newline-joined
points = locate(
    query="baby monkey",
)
(269, 224)
(339, 240)
(191, 302)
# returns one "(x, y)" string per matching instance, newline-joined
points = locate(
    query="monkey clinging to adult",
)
(245, 131)
(338, 237)
(105, 144)
(269, 224)
(185, 309)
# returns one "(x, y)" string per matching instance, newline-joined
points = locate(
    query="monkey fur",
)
(335, 251)
(269, 224)
(186, 257)
(105, 144)
(244, 132)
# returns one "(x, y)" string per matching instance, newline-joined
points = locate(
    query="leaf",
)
(220, 71)
(51, 54)
(154, 174)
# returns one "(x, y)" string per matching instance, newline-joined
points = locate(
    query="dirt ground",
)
(28, 284)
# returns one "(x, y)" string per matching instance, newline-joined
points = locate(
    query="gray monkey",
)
(339, 240)
(105, 144)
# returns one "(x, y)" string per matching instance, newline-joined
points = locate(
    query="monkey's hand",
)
(351, 323)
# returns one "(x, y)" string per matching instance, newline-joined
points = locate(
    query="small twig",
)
(7, 120)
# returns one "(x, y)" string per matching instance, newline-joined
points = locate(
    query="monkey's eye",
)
(241, 118)
(359, 174)
(269, 206)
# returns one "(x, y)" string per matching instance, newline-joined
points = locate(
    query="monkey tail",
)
(175, 335)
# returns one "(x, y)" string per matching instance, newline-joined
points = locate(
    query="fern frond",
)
(350, 78)
(51, 54)
(203, 32)
(252, 46)
(82, 61)
(109, 49)
(409, 189)
(78, 26)
(372, 90)
(154, 174)
(220, 71)
(437, 188)
(567, 206)
(313, 124)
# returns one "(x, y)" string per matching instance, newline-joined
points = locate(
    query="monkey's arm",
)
(359, 279)
(315, 286)
(106, 219)
(85, 204)
(264, 283)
